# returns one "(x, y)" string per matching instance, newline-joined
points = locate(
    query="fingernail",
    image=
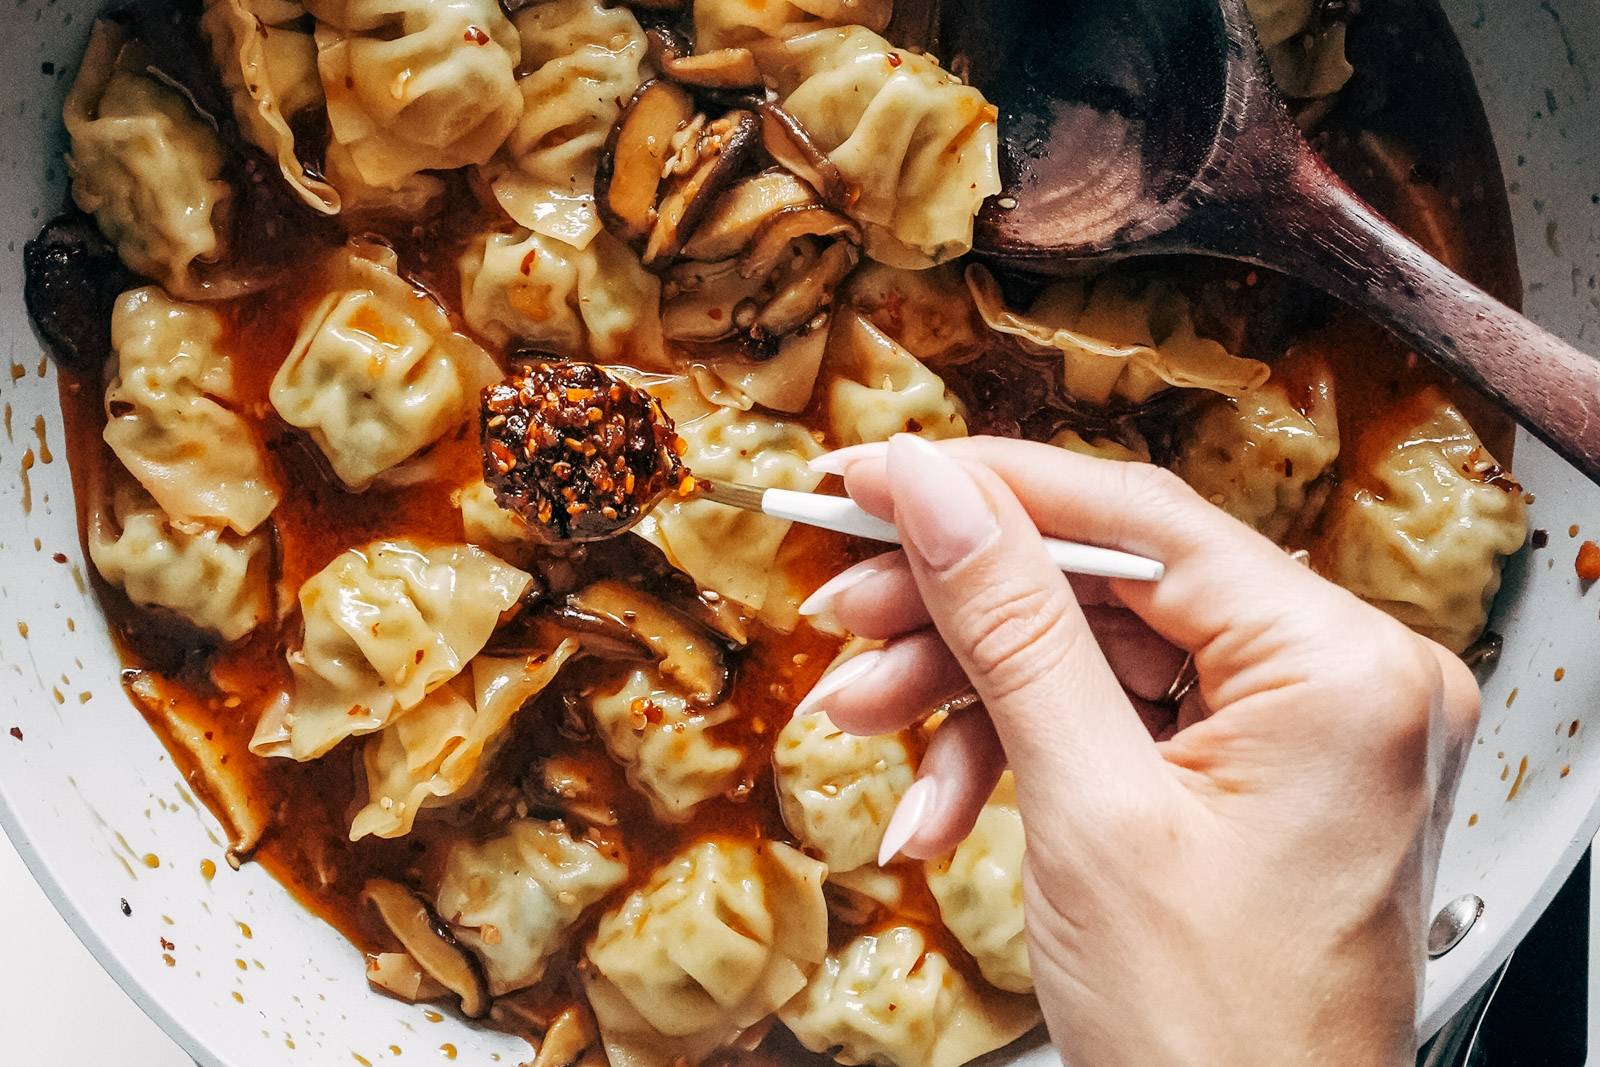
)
(837, 461)
(822, 600)
(909, 815)
(937, 505)
(847, 673)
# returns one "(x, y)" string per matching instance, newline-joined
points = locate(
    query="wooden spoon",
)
(1152, 127)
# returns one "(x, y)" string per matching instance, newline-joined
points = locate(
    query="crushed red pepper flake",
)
(575, 452)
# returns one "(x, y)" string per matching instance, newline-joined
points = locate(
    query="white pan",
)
(101, 816)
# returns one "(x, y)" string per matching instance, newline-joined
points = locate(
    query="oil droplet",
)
(166, 957)
(432, 1016)
(18, 371)
(1572, 531)
(45, 455)
(167, 920)
(152, 860)
(208, 870)
(1561, 672)
(22, 628)
(395, 1050)
(448, 1050)
(244, 929)
(1522, 772)
(1572, 730)
(1505, 772)
(238, 997)
(241, 964)
(1512, 699)
(27, 484)
(44, 365)
(289, 1042)
(8, 423)
(361, 1059)
(1472, 820)
(1566, 769)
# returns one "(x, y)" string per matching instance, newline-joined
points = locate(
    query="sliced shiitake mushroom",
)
(571, 1034)
(71, 279)
(430, 943)
(722, 68)
(400, 975)
(791, 145)
(701, 299)
(718, 152)
(719, 615)
(629, 173)
(802, 300)
(738, 214)
(781, 229)
(599, 636)
(688, 654)
(562, 787)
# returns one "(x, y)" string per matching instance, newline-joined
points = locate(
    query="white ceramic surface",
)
(95, 807)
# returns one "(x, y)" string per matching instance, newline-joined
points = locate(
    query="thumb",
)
(1011, 619)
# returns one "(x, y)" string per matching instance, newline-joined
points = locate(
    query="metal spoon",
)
(1151, 127)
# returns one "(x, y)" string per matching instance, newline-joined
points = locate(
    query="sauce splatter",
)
(27, 482)
(1561, 672)
(152, 860)
(45, 455)
(208, 870)
(1522, 773)
(1472, 820)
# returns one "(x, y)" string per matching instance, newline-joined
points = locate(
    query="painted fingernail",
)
(909, 815)
(847, 673)
(837, 461)
(821, 601)
(937, 505)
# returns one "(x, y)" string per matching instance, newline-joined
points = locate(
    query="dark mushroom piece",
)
(71, 280)
(700, 300)
(705, 164)
(727, 69)
(598, 636)
(805, 296)
(720, 71)
(629, 173)
(578, 454)
(687, 654)
(430, 943)
(790, 144)
(781, 229)
(564, 787)
(731, 226)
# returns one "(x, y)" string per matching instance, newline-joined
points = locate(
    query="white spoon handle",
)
(842, 515)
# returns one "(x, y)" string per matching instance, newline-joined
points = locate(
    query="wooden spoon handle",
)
(1315, 228)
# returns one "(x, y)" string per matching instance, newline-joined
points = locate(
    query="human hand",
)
(1253, 888)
